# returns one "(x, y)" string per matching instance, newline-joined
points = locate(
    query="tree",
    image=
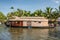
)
(20, 12)
(58, 10)
(16, 13)
(48, 12)
(12, 8)
(26, 13)
(37, 13)
(2, 17)
(55, 16)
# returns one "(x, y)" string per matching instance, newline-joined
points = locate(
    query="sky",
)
(29, 5)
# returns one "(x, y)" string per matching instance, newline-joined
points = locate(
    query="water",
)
(29, 33)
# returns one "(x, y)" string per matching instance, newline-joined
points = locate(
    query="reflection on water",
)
(16, 33)
(29, 34)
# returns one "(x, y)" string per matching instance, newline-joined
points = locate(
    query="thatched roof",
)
(28, 19)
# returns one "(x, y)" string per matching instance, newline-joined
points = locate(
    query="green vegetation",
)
(2, 17)
(48, 13)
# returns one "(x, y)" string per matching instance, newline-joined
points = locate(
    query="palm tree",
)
(24, 13)
(28, 13)
(20, 12)
(48, 12)
(12, 8)
(58, 10)
(12, 13)
(38, 13)
(16, 13)
(55, 16)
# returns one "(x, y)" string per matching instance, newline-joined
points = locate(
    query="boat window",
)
(39, 22)
(34, 21)
(18, 22)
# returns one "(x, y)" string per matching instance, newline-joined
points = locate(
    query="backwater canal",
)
(8, 33)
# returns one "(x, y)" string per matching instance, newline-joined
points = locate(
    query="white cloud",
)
(56, 1)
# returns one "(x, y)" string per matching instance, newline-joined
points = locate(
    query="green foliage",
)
(55, 15)
(2, 17)
(48, 13)
(12, 8)
(37, 13)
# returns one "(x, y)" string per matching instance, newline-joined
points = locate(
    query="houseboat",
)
(28, 21)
